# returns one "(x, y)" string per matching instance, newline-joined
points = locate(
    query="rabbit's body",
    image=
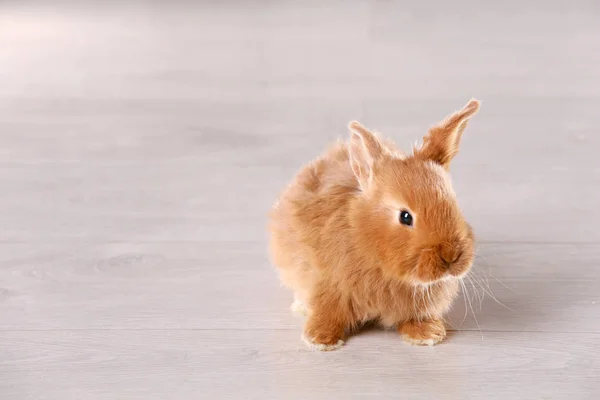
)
(337, 243)
(312, 243)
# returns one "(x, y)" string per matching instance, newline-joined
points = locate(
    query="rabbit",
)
(368, 233)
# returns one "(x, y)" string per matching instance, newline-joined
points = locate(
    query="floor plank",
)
(537, 288)
(275, 364)
(147, 202)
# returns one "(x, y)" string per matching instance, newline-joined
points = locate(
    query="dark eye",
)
(406, 218)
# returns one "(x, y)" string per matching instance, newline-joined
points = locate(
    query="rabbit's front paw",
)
(326, 345)
(423, 333)
(323, 335)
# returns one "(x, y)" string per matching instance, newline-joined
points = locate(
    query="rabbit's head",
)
(406, 213)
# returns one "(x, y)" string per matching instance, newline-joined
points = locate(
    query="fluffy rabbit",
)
(367, 233)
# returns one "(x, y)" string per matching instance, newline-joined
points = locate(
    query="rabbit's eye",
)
(406, 218)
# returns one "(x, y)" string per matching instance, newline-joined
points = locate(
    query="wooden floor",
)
(141, 146)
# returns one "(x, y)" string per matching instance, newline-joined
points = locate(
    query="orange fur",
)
(338, 244)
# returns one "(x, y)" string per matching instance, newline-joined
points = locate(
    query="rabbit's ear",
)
(443, 140)
(364, 150)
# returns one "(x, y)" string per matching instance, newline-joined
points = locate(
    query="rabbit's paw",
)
(327, 345)
(322, 334)
(423, 333)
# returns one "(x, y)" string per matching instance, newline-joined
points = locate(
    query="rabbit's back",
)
(311, 211)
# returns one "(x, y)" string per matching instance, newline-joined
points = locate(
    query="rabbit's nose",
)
(450, 255)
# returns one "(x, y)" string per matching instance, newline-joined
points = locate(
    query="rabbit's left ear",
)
(443, 140)
(364, 150)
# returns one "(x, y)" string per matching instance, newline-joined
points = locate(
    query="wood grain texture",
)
(273, 364)
(119, 285)
(142, 144)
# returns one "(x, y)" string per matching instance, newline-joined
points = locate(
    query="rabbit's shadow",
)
(499, 305)
(517, 303)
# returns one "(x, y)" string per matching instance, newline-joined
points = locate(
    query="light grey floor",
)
(142, 145)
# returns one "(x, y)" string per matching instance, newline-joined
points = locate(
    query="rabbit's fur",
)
(338, 243)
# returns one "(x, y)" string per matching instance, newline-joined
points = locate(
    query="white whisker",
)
(475, 292)
(476, 279)
(473, 312)
(491, 294)
(462, 287)
(502, 283)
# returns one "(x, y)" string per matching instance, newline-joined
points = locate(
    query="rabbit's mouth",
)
(432, 267)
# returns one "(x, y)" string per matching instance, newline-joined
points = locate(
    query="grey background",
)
(142, 144)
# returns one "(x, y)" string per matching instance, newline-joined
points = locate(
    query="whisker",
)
(478, 272)
(502, 283)
(498, 301)
(491, 294)
(476, 292)
(462, 287)
(489, 272)
(473, 312)
(471, 276)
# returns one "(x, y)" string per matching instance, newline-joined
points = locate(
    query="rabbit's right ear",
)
(443, 140)
(364, 150)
